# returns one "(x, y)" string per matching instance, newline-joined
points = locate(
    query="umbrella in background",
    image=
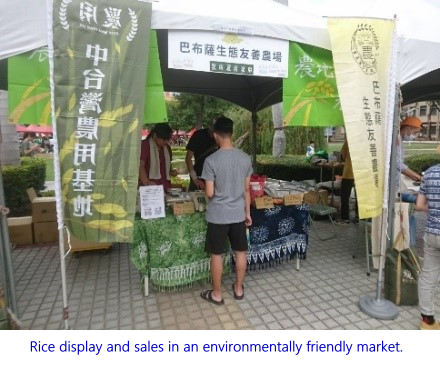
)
(45, 129)
(21, 128)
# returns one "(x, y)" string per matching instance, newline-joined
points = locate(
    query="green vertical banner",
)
(28, 88)
(310, 95)
(155, 109)
(100, 52)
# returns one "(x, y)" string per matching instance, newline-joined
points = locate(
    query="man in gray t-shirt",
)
(227, 175)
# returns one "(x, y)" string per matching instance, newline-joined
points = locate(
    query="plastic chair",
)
(322, 210)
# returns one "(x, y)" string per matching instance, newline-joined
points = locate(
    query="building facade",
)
(428, 113)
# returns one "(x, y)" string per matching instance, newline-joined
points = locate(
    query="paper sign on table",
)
(152, 201)
(263, 202)
(296, 199)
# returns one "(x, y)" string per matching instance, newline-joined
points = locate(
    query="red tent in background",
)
(41, 129)
(179, 133)
(20, 128)
(45, 129)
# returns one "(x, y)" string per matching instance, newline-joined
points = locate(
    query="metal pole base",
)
(378, 308)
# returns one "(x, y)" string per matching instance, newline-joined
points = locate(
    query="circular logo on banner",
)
(364, 48)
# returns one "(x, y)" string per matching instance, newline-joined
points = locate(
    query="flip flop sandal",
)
(237, 297)
(207, 295)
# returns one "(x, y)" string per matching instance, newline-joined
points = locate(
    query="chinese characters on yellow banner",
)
(362, 58)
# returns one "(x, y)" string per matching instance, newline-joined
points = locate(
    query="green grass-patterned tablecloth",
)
(170, 250)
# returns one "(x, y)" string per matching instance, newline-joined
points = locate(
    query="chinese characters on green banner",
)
(100, 53)
(310, 96)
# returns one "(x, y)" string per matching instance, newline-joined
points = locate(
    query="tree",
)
(279, 137)
(187, 111)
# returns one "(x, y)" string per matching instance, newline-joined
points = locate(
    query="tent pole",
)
(57, 170)
(7, 276)
(254, 139)
(378, 307)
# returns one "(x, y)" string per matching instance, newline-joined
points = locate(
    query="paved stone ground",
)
(105, 292)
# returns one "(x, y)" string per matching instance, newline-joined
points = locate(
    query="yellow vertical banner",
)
(362, 58)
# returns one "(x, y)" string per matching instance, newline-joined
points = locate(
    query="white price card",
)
(152, 201)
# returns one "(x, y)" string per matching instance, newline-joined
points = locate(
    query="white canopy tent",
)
(23, 24)
(23, 27)
(417, 27)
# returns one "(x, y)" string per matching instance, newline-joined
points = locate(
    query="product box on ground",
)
(45, 232)
(43, 208)
(79, 245)
(20, 231)
(311, 197)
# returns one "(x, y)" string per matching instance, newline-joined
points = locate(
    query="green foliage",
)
(188, 110)
(292, 167)
(297, 138)
(178, 152)
(17, 179)
(421, 162)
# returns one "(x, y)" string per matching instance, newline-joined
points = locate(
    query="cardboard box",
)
(312, 197)
(45, 232)
(20, 231)
(43, 208)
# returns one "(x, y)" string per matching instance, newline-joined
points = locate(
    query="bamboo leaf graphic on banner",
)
(70, 53)
(295, 109)
(109, 225)
(133, 125)
(97, 196)
(108, 147)
(112, 209)
(68, 147)
(16, 114)
(109, 119)
(31, 88)
(72, 102)
(65, 192)
(67, 177)
(124, 184)
(105, 211)
(46, 113)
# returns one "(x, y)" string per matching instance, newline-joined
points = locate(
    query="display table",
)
(278, 233)
(169, 252)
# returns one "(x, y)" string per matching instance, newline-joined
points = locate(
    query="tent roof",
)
(251, 93)
(23, 28)
(423, 88)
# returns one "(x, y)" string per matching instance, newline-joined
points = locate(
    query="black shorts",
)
(217, 237)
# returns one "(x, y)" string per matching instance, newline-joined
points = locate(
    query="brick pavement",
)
(105, 292)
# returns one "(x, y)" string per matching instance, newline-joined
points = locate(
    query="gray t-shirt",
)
(228, 169)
